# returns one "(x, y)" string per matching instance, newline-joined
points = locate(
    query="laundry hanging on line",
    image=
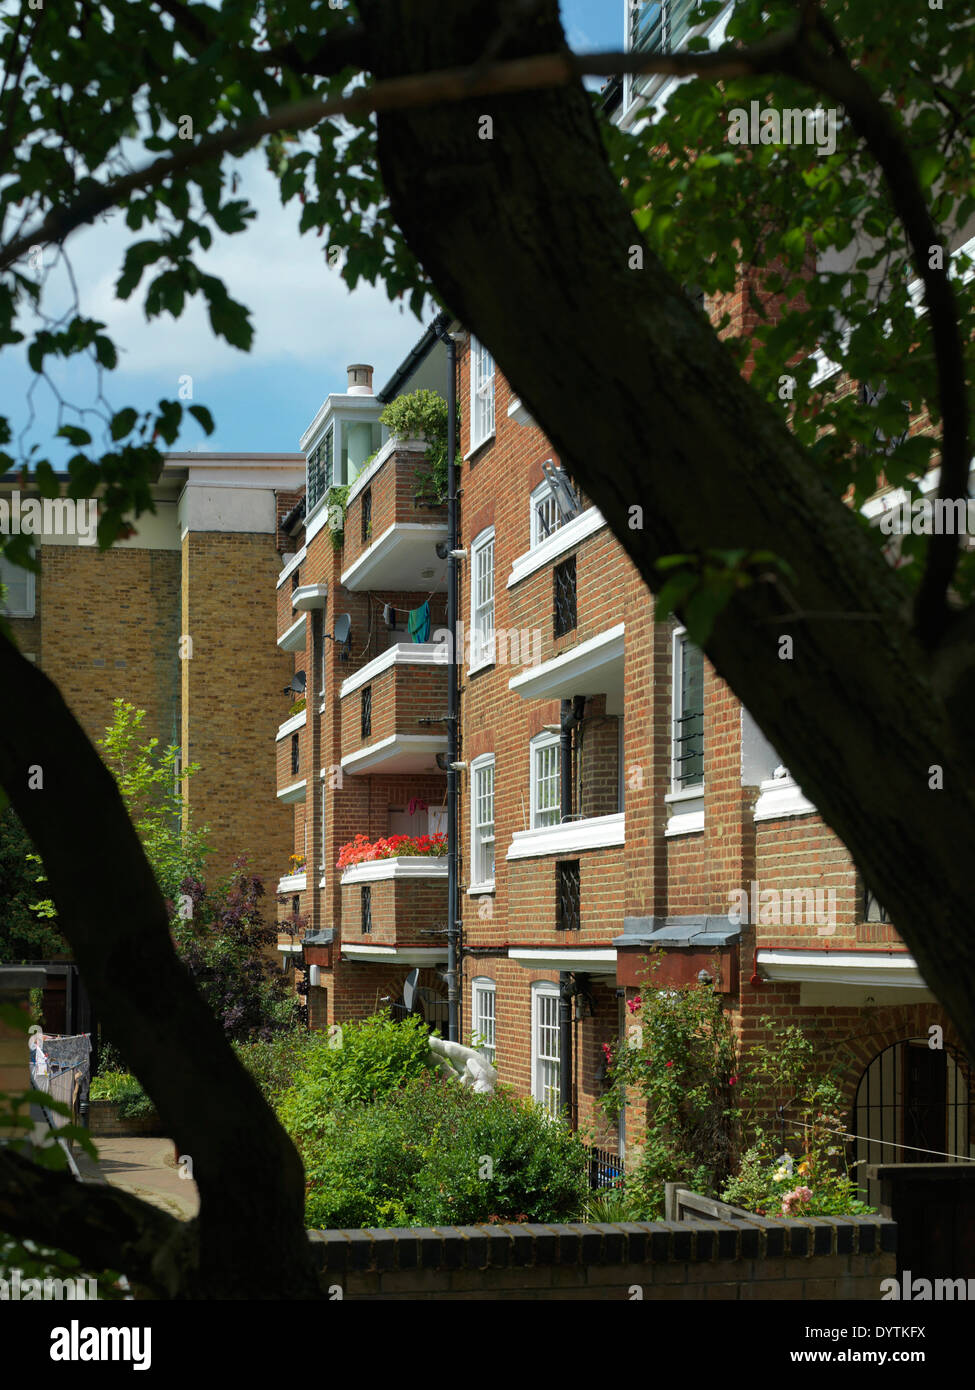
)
(419, 623)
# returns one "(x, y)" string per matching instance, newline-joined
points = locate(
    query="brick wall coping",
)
(651, 1243)
(395, 444)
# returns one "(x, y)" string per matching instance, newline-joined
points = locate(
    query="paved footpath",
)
(145, 1167)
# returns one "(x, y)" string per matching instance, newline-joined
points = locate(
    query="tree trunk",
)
(528, 240)
(250, 1239)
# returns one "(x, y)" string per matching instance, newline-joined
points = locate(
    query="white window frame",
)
(542, 494)
(29, 610)
(545, 1069)
(537, 745)
(482, 383)
(478, 839)
(482, 647)
(694, 789)
(484, 1025)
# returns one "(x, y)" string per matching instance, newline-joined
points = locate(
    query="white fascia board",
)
(402, 866)
(597, 960)
(294, 793)
(395, 743)
(292, 725)
(403, 955)
(520, 413)
(293, 638)
(394, 445)
(539, 682)
(399, 654)
(293, 562)
(586, 524)
(594, 832)
(842, 968)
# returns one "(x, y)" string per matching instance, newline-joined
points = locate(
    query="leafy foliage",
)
(422, 414)
(434, 1152)
(26, 933)
(223, 939)
(124, 1091)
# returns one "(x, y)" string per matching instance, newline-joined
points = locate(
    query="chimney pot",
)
(360, 379)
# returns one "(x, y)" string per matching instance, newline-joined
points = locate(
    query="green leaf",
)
(202, 416)
(123, 422)
(74, 434)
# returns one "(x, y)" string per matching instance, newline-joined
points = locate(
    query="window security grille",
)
(872, 909)
(366, 891)
(366, 515)
(568, 915)
(320, 470)
(366, 726)
(689, 721)
(547, 518)
(295, 755)
(564, 586)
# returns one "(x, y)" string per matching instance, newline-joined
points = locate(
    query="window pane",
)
(17, 596)
(689, 727)
(547, 808)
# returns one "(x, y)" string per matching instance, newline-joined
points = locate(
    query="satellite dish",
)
(343, 628)
(409, 989)
(298, 682)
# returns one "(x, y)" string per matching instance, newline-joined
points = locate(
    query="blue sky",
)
(308, 326)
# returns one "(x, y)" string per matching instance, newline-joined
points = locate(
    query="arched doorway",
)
(912, 1106)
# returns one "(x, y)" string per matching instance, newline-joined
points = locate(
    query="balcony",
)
(388, 905)
(571, 837)
(593, 667)
(391, 529)
(382, 705)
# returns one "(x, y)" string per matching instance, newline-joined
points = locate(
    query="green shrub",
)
(352, 1064)
(433, 1152)
(275, 1064)
(423, 415)
(123, 1090)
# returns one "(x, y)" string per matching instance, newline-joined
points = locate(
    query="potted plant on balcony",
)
(298, 705)
(423, 415)
(362, 850)
(296, 863)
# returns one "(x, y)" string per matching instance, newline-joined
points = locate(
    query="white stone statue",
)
(465, 1065)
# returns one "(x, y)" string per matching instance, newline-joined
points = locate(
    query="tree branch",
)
(833, 74)
(104, 1227)
(111, 912)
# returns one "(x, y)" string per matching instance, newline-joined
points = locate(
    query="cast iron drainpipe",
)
(453, 928)
(571, 715)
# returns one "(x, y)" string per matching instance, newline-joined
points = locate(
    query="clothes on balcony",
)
(416, 803)
(419, 623)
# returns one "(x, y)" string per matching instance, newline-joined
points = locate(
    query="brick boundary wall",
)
(825, 1258)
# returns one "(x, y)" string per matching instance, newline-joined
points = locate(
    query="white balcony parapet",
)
(589, 668)
(592, 832)
(401, 955)
(293, 883)
(293, 638)
(309, 596)
(291, 563)
(292, 725)
(399, 866)
(394, 559)
(586, 524)
(399, 654)
(294, 793)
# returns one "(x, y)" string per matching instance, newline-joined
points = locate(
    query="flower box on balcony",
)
(398, 866)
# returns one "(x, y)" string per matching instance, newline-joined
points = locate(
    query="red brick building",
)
(680, 830)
